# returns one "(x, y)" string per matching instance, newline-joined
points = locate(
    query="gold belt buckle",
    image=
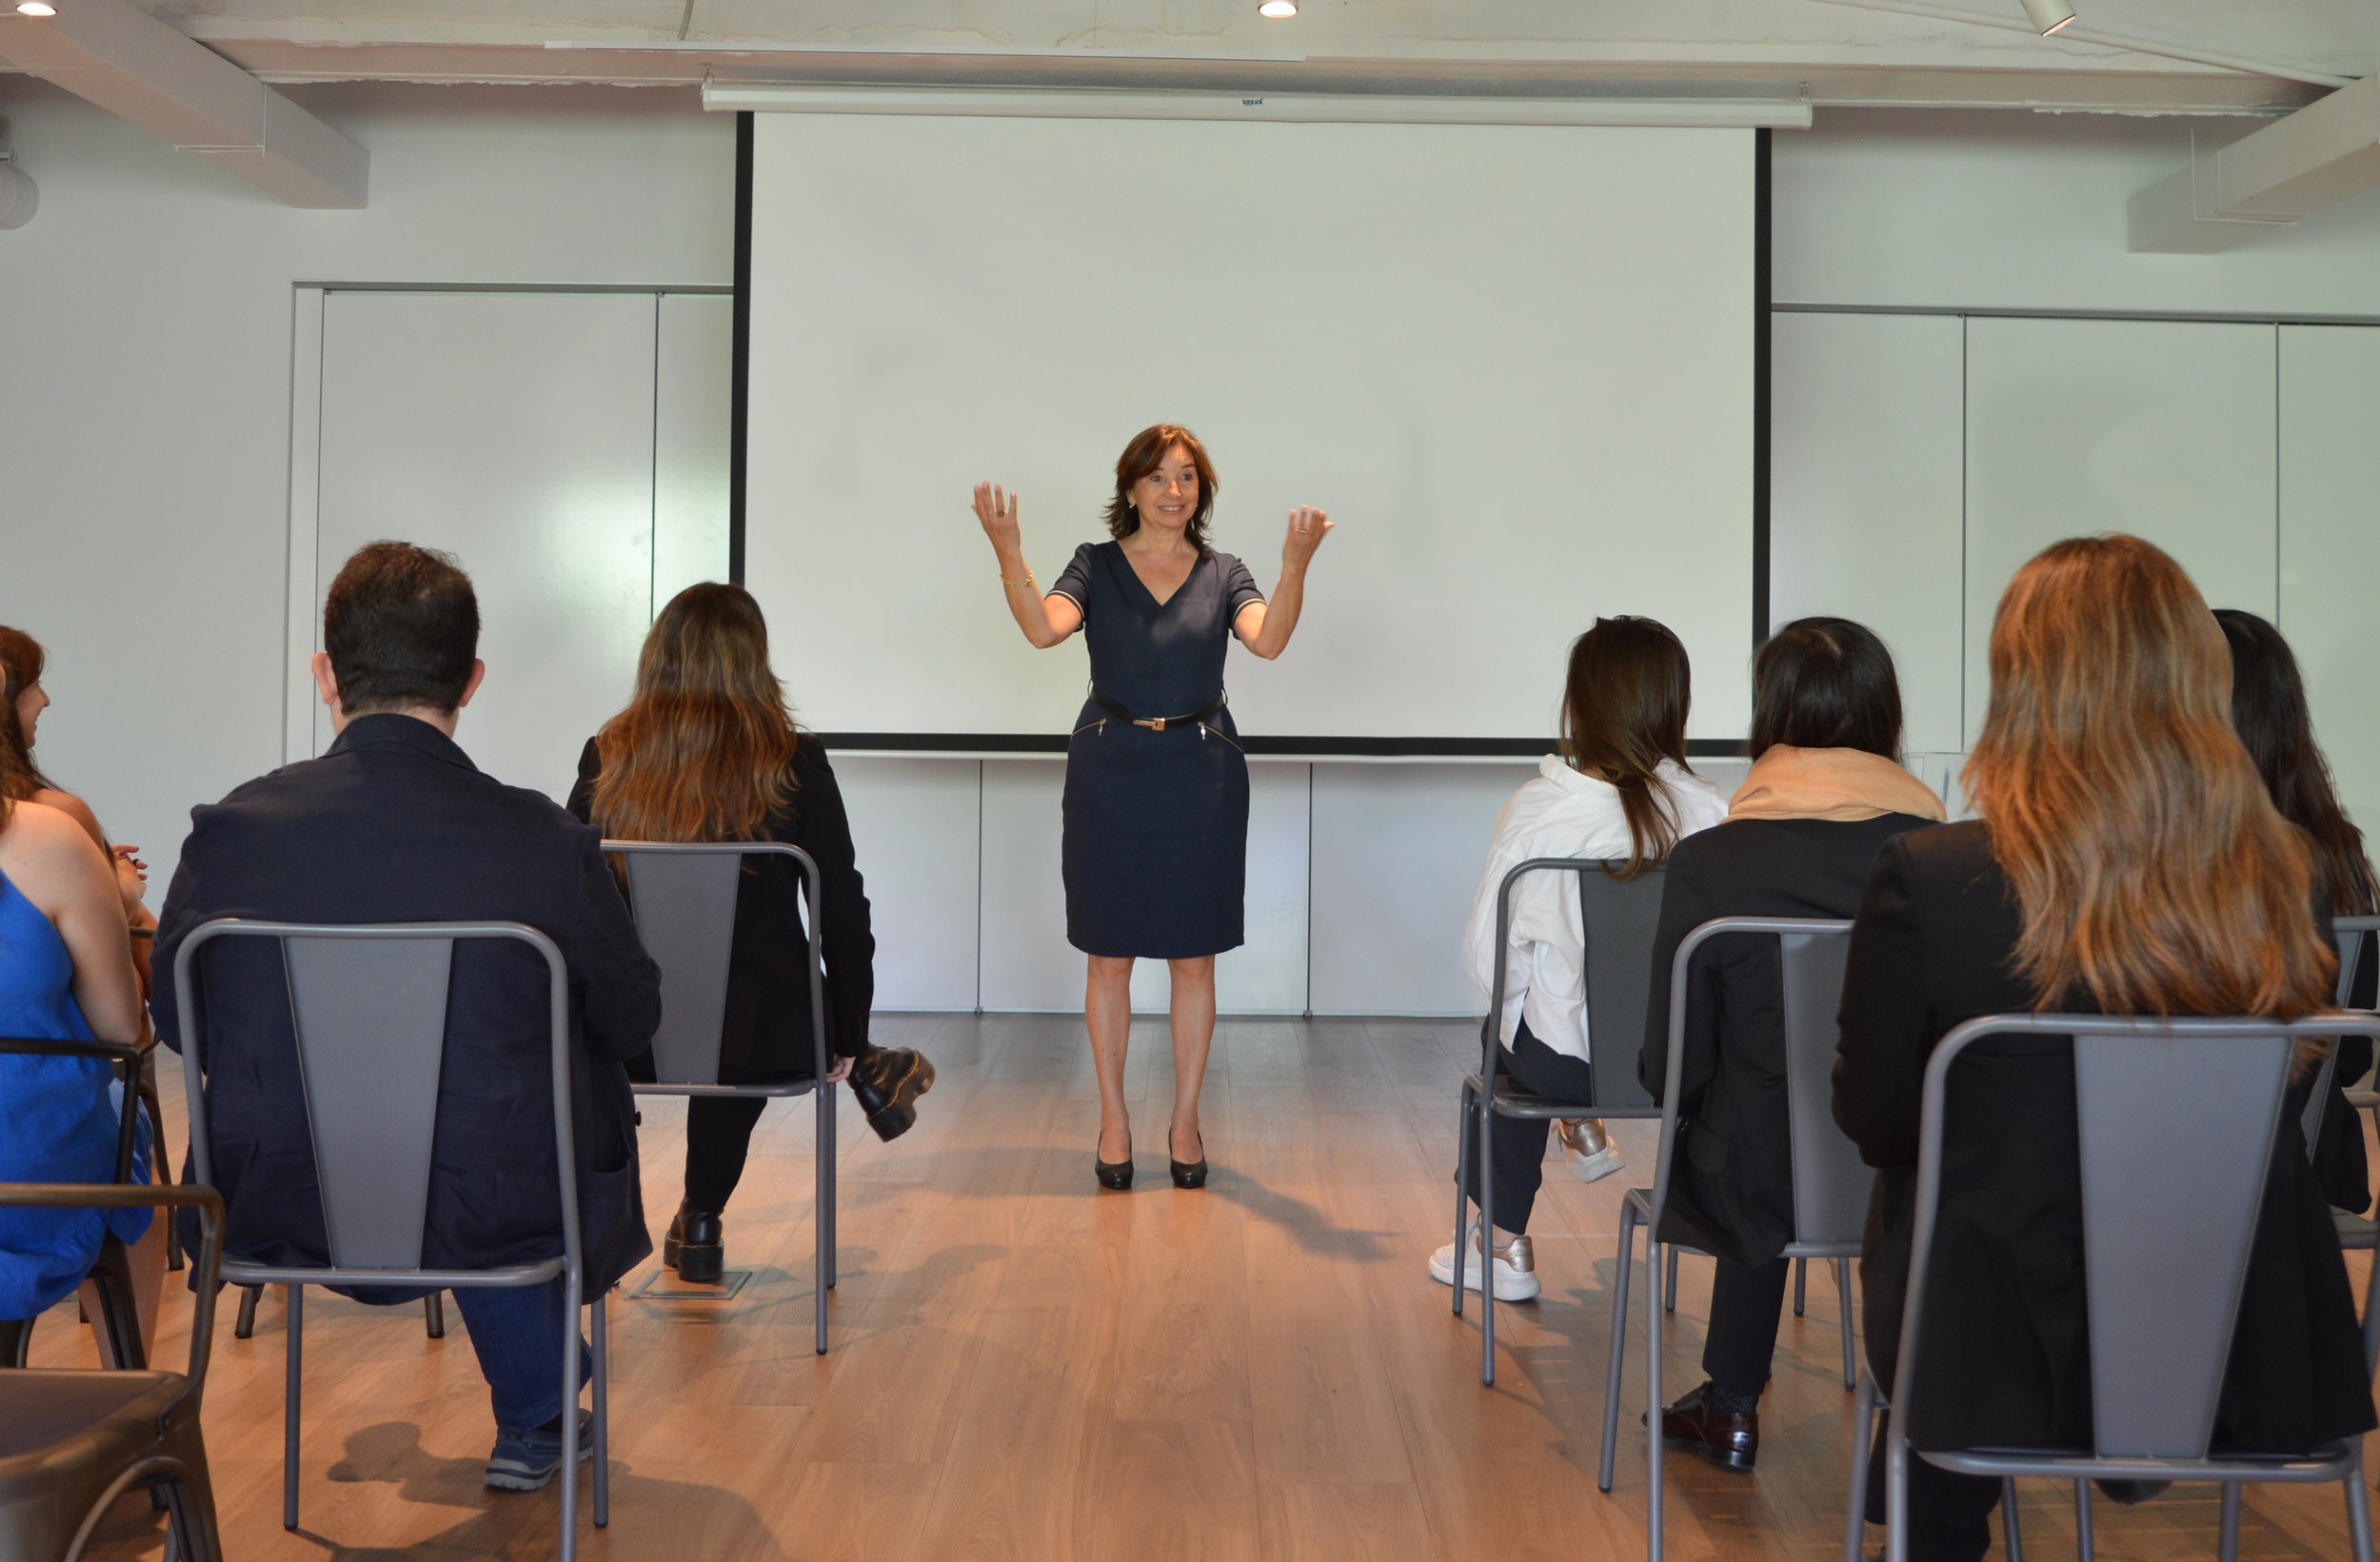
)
(1156, 724)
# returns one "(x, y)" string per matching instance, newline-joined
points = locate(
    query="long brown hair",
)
(1146, 454)
(705, 749)
(1624, 712)
(21, 661)
(2153, 874)
(2268, 712)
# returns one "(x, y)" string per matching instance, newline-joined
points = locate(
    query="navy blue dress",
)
(1156, 854)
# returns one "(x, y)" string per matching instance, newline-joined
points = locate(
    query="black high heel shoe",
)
(1113, 1173)
(1187, 1173)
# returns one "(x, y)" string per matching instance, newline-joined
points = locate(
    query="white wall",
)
(145, 362)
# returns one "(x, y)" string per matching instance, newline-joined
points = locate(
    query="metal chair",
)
(367, 1007)
(72, 1442)
(684, 898)
(111, 1274)
(2176, 1120)
(1830, 1182)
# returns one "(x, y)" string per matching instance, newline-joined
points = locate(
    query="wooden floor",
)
(1027, 1366)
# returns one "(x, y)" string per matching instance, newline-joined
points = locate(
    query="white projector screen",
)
(1515, 363)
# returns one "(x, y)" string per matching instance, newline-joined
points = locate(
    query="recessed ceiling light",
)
(35, 8)
(2049, 15)
(1278, 9)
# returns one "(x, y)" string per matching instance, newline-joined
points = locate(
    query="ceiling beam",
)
(117, 57)
(2319, 156)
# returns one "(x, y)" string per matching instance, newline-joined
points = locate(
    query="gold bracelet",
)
(1027, 580)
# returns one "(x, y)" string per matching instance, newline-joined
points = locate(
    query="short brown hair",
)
(1825, 682)
(401, 626)
(1144, 455)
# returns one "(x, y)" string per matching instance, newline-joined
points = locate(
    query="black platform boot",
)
(888, 1081)
(696, 1246)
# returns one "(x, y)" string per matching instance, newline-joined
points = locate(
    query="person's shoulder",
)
(43, 830)
(72, 807)
(1951, 852)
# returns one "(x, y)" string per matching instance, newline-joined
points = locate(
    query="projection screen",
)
(1515, 363)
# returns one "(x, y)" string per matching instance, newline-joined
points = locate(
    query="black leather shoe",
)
(696, 1246)
(1187, 1173)
(888, 1081)
(1728, 1438)
(1113, 1173)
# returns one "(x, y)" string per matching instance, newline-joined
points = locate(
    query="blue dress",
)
(1155, 847)
(61, 1115)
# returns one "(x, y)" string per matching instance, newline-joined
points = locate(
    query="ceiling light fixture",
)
(2049, 15)
(1278, 9)
(35, 8)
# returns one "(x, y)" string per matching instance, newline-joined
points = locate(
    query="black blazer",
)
(1731, 1189)
(2008, 1357)
(394, 824)
(767, 1029)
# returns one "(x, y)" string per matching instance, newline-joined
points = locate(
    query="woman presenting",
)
(1157, 789)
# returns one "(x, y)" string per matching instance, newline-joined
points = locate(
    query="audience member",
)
(66, 975)
(708, 751)
(1619, 789)
(394, 824)
(2268, 712)
(1826, 791)
(2127, 861)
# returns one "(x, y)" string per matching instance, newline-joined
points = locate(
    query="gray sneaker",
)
(528, 1461)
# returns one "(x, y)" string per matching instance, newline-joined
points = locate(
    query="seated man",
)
(393, 825)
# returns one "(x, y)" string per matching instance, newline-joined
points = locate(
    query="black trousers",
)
(1747, 1301)
(1950, 1515)
(1517, 1148)
(718, 1137)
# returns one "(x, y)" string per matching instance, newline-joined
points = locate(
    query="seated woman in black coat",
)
(2127, 861)
(1825, 792)
(2269, 713)
(706, 751)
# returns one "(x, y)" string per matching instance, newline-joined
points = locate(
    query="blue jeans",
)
(516, 1332)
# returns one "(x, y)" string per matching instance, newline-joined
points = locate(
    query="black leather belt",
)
(1158, 724)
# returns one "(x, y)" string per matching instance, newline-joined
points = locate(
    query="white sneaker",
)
(1590, 1151)
(1516, 1267)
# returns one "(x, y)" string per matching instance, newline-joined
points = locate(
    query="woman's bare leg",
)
(1193, 1033)
(1107, 1012)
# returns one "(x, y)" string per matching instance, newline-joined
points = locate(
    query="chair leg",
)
(1668, 1288)
(119, 1315)
(289, 1408)
(571, 1301)
(245, 1326)
(603, 1415)
(2227, 1547)
(1842, 1300)
(16, 1341)
(822, 1193)
(1862, 1437)
(1896, 1495)
(1655, 1307)
(2083, 1546)
(828, 1202)
(1462, 1184)
(2358, 1513)
(2012, 1532)
(1802, 1288)
(1619, 1342)
(1487, 1249)
(434, 1313)
(161, 1164)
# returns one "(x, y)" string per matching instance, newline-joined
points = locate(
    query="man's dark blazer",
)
(394, 824)
(2008, 1362)
(1731, 1189)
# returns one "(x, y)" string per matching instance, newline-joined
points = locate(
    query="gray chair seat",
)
(39, 1409)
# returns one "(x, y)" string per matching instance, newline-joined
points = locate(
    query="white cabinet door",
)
(2161, 428)
(514, 430)
(2330, 546)
(1865, 438)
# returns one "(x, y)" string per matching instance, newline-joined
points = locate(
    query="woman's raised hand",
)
(1307, 527)
(997, 509)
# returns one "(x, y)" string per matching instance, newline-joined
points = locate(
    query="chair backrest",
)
(1618, 915)
(1830, 1182)
(124, 1055)
(2175, 1119)
(368, 1009)
(2353, 936)
(682, 894)
(208, 1261)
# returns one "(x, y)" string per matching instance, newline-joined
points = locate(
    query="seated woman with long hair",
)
(706, 750)
(2269, 714)
(2128, 862)
(1825, 792)
(66, 975)
(1618, 790)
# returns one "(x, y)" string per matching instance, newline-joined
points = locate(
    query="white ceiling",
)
(1834, 51)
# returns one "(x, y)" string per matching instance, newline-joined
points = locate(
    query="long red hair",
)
(705, 749)
(2154, 873)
